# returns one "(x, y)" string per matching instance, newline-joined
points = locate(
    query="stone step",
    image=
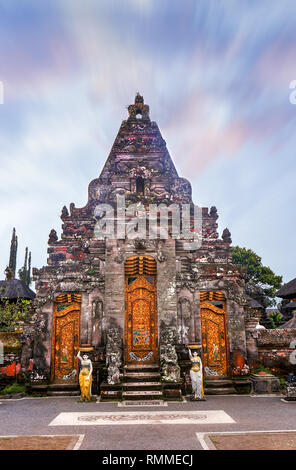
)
(218, 383)
(142, 394)
(141, 368)
(220, 391)
(142, 385)
(63, 393)
(141, 376)
(63, 387)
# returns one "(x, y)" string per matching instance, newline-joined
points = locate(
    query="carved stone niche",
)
(140, 244)
(97, 330)
(113, 356)
(183, 320)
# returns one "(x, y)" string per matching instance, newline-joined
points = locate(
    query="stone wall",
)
(275, 349)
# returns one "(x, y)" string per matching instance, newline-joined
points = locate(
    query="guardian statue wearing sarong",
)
(85, 377)
(196, 376)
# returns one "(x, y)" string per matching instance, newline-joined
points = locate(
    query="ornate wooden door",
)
(66, 329)
(141, 319)
(214, 339)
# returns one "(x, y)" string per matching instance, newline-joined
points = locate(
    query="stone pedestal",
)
(265, 383)
(290, 391)
(242, 385)
(172, 391)
(110, 392)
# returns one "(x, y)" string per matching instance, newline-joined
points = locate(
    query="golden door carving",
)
(214, 338)
(66, 330)
(140, 319)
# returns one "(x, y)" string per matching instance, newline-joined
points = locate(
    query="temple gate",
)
(214, 333)
(141, 312)
(66, 337)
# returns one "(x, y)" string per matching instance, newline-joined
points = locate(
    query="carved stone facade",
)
(139, 168)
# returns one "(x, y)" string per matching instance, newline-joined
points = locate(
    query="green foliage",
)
(257, 275)
(14, 314)
(13, 388)
(283, 381)
(262, 368)
(276, 319)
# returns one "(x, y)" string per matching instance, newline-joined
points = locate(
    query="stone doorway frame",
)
(207, 300)
(141, 267)
(71, 303)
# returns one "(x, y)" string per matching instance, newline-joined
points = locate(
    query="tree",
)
(14, 314)
(260, 279)
(276, 319)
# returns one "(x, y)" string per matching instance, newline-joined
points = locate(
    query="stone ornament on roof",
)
(139, 110)
(9, 274)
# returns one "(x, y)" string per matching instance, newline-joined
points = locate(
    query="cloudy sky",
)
(216, 75)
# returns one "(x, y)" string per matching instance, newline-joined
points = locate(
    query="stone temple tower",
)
(137, 281)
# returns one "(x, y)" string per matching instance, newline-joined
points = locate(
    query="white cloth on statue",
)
(196, 382)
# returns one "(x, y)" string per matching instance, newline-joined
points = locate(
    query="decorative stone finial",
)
(213, 212)
(9, 275)
(139, 98)
(226, 236)
(139, 110)
(65, 212)
(52, 237)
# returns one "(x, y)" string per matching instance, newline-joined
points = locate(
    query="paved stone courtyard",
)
(253, 441)
(177, 426)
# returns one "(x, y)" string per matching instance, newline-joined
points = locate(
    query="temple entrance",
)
(141, 312)
(66, 331)
(214, 334)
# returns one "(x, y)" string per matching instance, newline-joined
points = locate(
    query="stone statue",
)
(113, 369)
(290, 388)
(196, 376)
(85, 377)
(168, 357)
(9, 275)
(160, 256)
(113, 356)
(292, 378)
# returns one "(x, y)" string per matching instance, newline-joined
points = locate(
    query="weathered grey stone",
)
(140, 168)
(265, 383)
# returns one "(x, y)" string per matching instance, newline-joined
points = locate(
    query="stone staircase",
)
(63, 390)
(141, 382)
(219, 386)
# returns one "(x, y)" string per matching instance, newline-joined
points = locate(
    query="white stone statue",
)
(196, 376)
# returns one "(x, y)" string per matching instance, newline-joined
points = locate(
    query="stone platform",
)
(267, 383)
(141, 382)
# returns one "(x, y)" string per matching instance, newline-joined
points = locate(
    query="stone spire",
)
(13, 253)
(29, 270)
(25, 271)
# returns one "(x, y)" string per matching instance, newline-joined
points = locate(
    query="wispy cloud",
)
(215, 74)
